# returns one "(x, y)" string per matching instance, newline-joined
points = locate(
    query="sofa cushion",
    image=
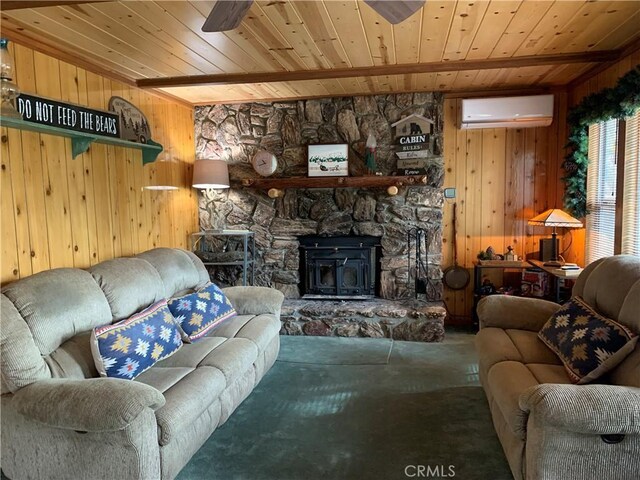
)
(58, 304)
(20, 361)
(186, 399)
(73, 359)
(178, 270)
(496, 345)
(233, 358)
(130, 284)
(588, 344)
(260, 329)
(128, 348)
(200, 312)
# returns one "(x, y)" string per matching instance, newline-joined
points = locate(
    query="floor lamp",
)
(554, 217)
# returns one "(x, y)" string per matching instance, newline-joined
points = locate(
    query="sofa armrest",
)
(505, 311)
(585, 409)
(89, 405)
(255, 300)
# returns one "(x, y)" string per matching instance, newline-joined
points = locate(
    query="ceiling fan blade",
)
(395, 11)
(226, 15)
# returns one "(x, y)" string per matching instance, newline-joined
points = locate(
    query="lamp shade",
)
(210, 174)
(161, 177)
(554, 217)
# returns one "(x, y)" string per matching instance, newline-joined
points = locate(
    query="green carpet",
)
(349, 408)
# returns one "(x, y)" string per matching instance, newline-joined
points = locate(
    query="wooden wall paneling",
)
(462, 203)
(450, 167)
(33, 171)
(473, 202)
(514, 198)
(54, 158)
(141, 215)
(88, 178)
(541, 185)
(20, 201)
(105, 229)
(13, 167)
(9, 249)
(75, 176)
(118, 203)
(529, 190)
(492, 197)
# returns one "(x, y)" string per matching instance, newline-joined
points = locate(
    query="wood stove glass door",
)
(324, 277)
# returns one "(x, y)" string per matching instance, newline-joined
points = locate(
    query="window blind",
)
(601, 190)
(631, 194)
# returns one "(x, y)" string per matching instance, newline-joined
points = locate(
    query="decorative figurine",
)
(370, 154)
(510, 256)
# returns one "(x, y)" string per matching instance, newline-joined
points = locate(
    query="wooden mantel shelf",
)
(334, 182)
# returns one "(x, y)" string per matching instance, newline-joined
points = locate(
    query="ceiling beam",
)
(20, 4)
(402, 69)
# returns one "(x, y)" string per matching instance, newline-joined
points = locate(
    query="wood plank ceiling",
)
(138, 40)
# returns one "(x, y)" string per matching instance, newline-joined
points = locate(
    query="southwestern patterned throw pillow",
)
(129, 347)
(588, 344)
(199, 312)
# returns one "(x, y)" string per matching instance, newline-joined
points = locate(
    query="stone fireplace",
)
(283, 225)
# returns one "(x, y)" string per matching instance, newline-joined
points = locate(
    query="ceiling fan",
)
(228, 14)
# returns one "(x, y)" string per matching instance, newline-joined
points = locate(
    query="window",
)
(631, 196)
(613, 189)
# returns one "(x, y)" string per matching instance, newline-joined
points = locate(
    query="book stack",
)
(569, 270)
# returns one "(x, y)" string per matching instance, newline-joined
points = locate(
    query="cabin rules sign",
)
(68, 116)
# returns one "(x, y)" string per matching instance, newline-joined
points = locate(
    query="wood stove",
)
(344, 267)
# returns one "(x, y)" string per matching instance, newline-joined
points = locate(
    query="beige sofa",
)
(549, 428)
(61, 421)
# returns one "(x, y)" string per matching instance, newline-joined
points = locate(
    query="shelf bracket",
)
(79, 145)
(149, 156)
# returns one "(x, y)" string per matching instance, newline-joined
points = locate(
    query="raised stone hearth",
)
(407, 319)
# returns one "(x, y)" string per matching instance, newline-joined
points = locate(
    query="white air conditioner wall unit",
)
(507, 112)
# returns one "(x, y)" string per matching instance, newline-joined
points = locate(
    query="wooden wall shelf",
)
(81, 141)
(334, 182)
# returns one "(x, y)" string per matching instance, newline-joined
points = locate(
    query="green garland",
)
(618, 102)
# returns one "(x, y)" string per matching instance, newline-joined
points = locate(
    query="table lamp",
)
(554, 217)
(210, 174)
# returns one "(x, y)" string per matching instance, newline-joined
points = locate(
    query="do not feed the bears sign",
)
(68, 116)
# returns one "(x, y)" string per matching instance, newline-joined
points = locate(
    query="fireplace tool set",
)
(423, 284)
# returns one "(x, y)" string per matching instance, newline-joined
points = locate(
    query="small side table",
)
(248, 244)
(557, 280)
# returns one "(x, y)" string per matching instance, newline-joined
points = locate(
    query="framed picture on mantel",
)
(329, 160)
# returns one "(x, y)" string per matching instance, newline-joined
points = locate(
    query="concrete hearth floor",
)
(359, 408)
(407, 319)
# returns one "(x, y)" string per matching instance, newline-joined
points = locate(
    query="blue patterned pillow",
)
(129, 347)
(588, 344)
(199, 312)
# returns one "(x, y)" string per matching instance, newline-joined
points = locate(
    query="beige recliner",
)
(549, 428)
